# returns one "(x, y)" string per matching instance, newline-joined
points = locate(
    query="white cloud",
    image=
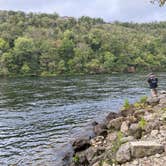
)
(110, 10)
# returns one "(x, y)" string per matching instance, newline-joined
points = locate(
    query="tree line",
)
(47, 44)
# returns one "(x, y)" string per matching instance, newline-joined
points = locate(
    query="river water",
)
(38, 116)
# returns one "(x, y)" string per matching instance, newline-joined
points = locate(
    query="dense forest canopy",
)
(47, 44)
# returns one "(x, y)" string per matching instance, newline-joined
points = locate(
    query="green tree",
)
(25, 53)
(109, 61)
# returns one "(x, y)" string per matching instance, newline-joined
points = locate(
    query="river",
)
(38, 116)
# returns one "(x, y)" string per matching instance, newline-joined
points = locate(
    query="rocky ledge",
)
(136, 136)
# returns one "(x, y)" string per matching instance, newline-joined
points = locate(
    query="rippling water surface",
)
(39, 115)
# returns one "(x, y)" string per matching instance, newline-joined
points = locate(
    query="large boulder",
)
(145, 148)
(137, 149)
(115, 123)
(153, 101)
(135, 130)
(123, 154)
(152, 125)
(111, 116)
(81, 144)
(100, 130)
(93, 153)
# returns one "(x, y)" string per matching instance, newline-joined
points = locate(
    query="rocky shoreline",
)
(136, 136)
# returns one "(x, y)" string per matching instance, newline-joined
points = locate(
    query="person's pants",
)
(154, 92)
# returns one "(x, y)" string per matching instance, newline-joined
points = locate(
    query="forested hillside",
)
(47, 44)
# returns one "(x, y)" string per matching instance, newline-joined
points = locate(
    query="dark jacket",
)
(153, 82)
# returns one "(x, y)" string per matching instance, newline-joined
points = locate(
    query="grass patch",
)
(126, 104)
(76, 159)
(142, 123)
(143, 99)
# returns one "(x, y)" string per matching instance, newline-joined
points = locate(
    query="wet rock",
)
(115, 123)
(145, 148)
(81, 144)
(94, 123)
(81, 160)
(123, 154)
(100, 130)
(66, 159)
(135, 130)
(111, 116)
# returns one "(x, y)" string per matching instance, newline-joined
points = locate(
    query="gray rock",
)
(150, 116)
(131, 119)
(135, 130)
(123, 154)
(96, 164)
(127, 112)
(139, 113)
(81, 144)
(163, 92)
(92, 153)
(163, 133)
(100, 130)
(115, 123)
(111, 116)
(127, 139)
(97, 141)
(112, 136)
(124, 127)
(154, 133)
(153, 125)
(141, 149)
(153, 101)
(163, 100)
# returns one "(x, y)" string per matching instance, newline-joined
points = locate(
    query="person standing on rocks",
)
(153, 83)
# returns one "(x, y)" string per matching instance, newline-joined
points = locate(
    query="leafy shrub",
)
(142, 123)
(76, 159)
(126, 104)
(143, 99)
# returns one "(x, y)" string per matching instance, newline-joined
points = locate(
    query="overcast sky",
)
(109, 10)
